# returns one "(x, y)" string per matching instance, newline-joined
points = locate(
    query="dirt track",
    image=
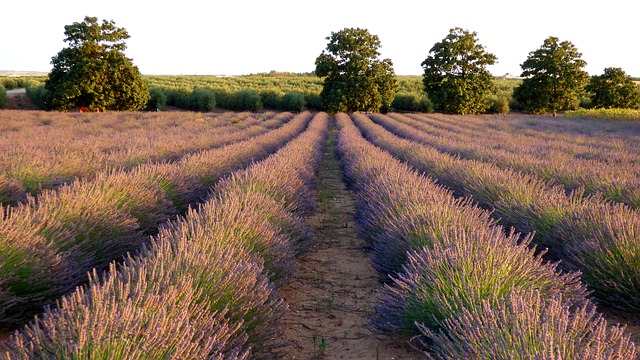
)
(17, 99)
(334, 285)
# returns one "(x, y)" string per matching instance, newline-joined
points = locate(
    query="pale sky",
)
(242, 37)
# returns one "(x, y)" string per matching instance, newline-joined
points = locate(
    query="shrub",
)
(3, 97)
(37, 93)
(224, 98)
(248, 100)
(271, 99)
(201, 289)
(178, 97)
(314, 101)
(450, 267)
(412, 102)
(187, 297)
(527, 325)
(438, 282)
(499, 105)
(9, 83)
(589, 235)
(293, 101)
(157, 99)
(51, 242)
(11, 191)
(203, 100)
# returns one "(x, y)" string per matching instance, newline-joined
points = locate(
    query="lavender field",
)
(171, 235)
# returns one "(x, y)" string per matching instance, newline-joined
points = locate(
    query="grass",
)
(320, 344)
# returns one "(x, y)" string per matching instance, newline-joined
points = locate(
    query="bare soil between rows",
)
(331, 294)
(17, 99)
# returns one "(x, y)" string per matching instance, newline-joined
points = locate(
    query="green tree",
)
(614, 89)
(355, 78)
(93, 71)
(553, 78)
(455, 75)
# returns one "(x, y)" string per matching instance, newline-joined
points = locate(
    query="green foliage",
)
(272, 89)
(242, 100)
(157, 99)
(8, 83)
(314, 101)
(290, 101)
(93, 71)
(203, 100)
(554, 78)
(37, 93)
(606, 114)
(198, 99)
(11, 83)
(455, 74)
(271, 99)
(293, 101)
(412, 102)
(3, 97)
(248, 100)
(177, 97)
(499, 105)
(355, 78)
(614, 89)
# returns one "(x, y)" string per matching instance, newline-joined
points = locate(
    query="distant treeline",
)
(274, 91)
(285, 92)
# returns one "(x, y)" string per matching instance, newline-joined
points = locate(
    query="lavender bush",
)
(73, 146)
(449, 267)
(529, 326)
(588, 234)
(200, 290)
(90, 223)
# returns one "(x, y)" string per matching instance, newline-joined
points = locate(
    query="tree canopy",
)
(553, 77)
(613, 89)
(355, 78)
(93, 72)
(455, 75)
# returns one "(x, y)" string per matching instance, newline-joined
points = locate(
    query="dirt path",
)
(17, 99)
(334, 285)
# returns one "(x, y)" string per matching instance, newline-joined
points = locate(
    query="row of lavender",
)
(48, 244)
(589, 235)
(593, 170)
(610, 141)
(42, 151)
(459, 287)
(206, 287)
